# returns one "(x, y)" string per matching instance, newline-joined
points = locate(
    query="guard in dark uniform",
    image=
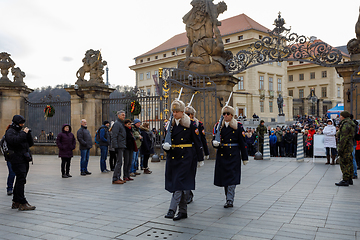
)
(230, 150)
(181, 159)
(190, 111)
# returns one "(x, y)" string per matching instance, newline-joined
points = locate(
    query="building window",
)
(148, 91)
(271, 106)
(141, 76)
(312, 75)
(325, 108)
(148, 59)
(301, 93)
(260, 37)
(279, 87)
(141, 61)
(227, 40)
(323, 92)
(156, 57)
(173, 53)
(261, 82)
(291, 93)
(148, 75)
(149, 112)
(261, 106)
(241, 37)
(241, 83)
(291, 63)
(324, 74)
(301, 62)
(291, 78)
(156, 113)
(279, 64)
(271, 84)
(156, 72)
(182, 50)
(338, 92)
(164, 55)
(301, 76)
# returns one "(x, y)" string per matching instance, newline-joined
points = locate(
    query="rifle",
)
(217, 134)
(189, 104)
(168, 137)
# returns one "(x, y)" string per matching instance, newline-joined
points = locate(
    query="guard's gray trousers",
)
(230, 193)
(179, 199)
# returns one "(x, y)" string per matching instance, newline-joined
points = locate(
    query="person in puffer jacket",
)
(66, 143)
(330, 141)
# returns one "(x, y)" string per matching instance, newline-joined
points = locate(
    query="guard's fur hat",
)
(190, 110)
(178, 105)
(229, 109)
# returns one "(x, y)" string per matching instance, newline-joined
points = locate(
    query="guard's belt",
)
(181, 145)
(229, 144)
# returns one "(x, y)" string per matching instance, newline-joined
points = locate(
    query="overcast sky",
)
(47, 39)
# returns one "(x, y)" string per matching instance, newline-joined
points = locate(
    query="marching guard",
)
(190, 111)
(228, 156)
(181, 160)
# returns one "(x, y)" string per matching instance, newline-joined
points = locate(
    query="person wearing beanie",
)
(260, 132)
(181, 159)
(346, 136)
(19, 141)
(230, 151)
(104, 145)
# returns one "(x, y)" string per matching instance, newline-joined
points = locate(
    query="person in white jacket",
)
(330, 141)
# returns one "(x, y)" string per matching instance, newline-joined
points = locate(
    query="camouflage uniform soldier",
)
(345, 148)
(260, 131)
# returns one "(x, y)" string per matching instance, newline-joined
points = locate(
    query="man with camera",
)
(19, 141)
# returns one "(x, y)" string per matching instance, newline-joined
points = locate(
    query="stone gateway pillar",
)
(86, 103)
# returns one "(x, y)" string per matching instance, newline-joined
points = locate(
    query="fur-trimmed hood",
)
(184, 121)
(233, 124)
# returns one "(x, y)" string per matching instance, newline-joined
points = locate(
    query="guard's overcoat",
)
(181, 163)
(228, 158)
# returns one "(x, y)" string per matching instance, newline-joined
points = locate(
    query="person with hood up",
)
(330, 142)
(66, 143)
(19, 141)
(147, 146)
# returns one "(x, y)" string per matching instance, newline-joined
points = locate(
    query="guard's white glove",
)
(206, 157)
(245, 162)
(201, 163)
(166, 146)
(215, 143)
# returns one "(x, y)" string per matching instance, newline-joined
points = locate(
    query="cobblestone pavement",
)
(278, 199)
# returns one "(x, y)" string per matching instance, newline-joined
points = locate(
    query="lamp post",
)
(76, 87)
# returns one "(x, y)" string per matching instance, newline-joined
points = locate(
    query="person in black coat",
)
(289, 140)
(85, 144)
(129, 150)
(230, 150)
(19, 141)
(147, 146)
(181, 159)
(66, 143)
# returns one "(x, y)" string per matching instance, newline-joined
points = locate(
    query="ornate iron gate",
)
(205, 99)
(35, 120)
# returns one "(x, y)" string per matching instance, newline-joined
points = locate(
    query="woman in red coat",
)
(66, 143)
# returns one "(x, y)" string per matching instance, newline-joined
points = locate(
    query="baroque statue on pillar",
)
(205, 51)
(93, 64)
(5, 63)
(353, 45)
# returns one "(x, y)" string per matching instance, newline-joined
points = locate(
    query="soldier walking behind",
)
(346, 136)
(228, 156)
(181, 159)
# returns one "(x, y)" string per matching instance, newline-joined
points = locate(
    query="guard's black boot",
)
(179, 216)
(342, 183)
(170, 214)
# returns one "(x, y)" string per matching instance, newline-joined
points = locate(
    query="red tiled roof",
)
(228, 26)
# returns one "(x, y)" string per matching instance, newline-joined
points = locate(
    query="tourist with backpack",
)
(103, 139)
(11, 174)
(19, 141)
